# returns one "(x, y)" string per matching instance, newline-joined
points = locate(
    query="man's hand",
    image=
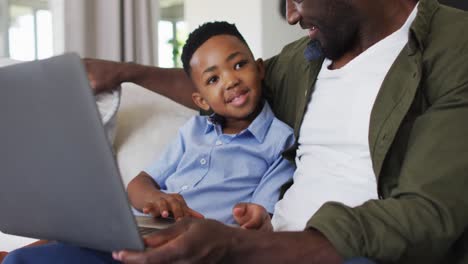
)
(188, 241)
(207, 241)
(104, 75)
(162, 204)
(252, 216)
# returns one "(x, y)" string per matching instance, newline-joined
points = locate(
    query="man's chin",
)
(315, 49)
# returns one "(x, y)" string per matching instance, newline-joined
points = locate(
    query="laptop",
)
(59, 178)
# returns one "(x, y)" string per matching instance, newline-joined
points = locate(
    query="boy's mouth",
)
(238, 98)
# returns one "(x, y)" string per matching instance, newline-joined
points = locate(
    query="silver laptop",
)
(59, 179)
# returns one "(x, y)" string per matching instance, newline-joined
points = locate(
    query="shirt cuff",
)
(335, 222)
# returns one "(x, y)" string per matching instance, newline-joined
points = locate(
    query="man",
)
(390, 101)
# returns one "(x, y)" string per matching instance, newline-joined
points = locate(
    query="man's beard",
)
(336, 43)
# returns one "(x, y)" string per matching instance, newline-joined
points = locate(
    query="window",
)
(171, 38)
(27, 30)
(172, 33)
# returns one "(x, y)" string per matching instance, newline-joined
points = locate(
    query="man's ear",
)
(200, 101)
(261, 68)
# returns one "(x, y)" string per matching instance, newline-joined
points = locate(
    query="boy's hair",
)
(202, 34)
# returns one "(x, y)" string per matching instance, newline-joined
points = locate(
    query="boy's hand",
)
(162, 204)
(252, 216)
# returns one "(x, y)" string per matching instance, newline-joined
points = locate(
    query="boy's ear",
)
(261, 68)
(200, 101)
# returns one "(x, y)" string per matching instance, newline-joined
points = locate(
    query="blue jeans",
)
(359, 261)
(58, 253)
(62, 253)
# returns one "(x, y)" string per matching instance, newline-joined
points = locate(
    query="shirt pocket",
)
(240, 165)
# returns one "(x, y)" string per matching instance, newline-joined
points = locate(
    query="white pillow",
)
(146, 123)
(108, 103)
(7, 61)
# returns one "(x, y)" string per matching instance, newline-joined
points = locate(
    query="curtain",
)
(3, 27)
(121, 30)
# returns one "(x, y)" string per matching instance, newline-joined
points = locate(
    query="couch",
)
(144, 124)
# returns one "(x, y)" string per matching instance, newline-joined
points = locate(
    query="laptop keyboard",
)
(146, 230)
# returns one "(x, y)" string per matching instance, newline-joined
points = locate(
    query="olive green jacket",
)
(418, 138)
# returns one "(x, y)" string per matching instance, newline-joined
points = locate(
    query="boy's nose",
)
(230, 81)
(292, 14)
(231, 84)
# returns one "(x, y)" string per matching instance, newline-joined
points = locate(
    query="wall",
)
(259, 22)
(247, 20)
(276, 31)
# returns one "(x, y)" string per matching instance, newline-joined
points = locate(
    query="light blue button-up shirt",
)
(214, 171)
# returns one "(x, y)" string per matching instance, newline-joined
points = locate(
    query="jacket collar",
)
(421, 26)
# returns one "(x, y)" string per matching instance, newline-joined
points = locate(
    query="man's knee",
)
(18, 256)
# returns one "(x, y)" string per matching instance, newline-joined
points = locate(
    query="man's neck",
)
(380, 19)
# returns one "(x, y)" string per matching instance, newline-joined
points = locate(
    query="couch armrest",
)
(2, 255)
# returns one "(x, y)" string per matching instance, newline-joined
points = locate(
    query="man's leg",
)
(359, 261)
(57, 253)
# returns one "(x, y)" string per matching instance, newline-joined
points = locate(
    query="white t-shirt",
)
(333, 159)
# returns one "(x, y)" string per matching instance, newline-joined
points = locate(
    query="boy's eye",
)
(240, 64)
(212, 80)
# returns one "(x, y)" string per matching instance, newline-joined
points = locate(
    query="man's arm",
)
(172, 83)
(423, 217)
(223, 244)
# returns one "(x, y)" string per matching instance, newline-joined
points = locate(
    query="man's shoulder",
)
(294, 50)
(449, 30)
(294, 46)
(445, 52)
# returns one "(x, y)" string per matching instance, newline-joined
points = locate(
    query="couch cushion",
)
(146, 123)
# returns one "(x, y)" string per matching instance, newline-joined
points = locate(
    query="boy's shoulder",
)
(280, 132)
(197, 123)
(281, 127)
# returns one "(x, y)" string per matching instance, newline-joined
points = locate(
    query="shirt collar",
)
(258, 128)
(422, 24)
(209, 125)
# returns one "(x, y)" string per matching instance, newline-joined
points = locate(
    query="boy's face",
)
(228, 79)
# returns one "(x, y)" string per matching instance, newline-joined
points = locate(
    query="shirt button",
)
(219, 142)
(184, 188)
(203, 161)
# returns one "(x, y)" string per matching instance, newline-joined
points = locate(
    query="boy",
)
(232, 156)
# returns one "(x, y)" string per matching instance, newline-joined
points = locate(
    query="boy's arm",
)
(141, 190)
(257, 213)
(144, 191)
(279, 173)
(145, 195)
